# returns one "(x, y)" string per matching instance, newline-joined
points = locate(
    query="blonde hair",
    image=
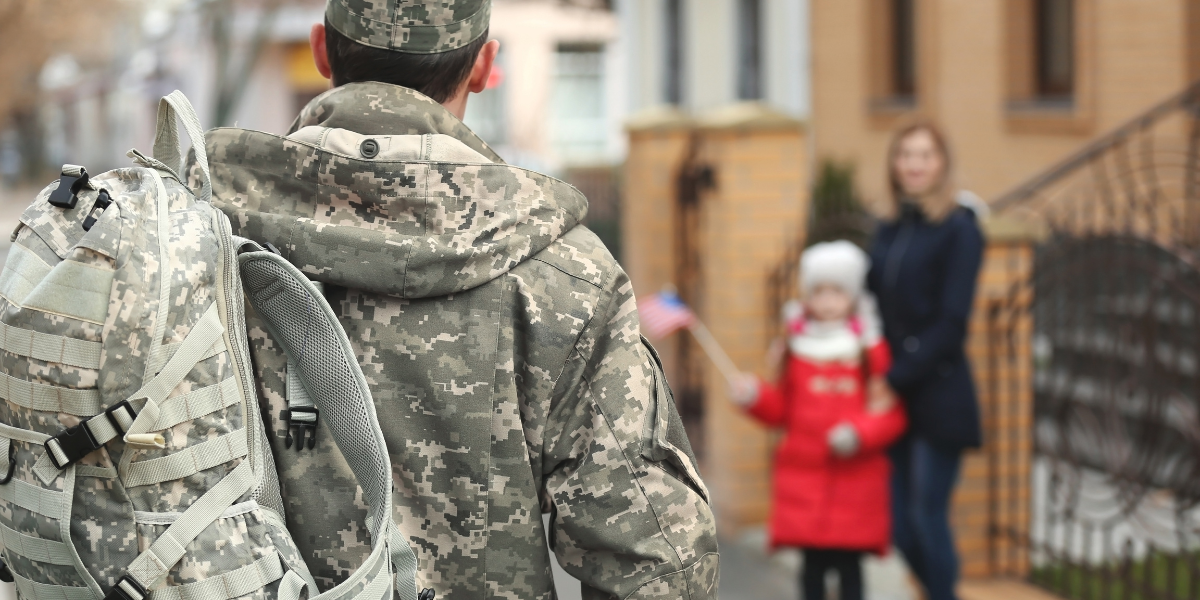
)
(939, 202)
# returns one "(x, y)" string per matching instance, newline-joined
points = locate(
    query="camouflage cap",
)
(410, 26)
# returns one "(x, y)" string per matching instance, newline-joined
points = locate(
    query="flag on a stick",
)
(663, 314)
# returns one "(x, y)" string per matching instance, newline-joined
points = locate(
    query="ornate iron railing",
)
(1109, 326)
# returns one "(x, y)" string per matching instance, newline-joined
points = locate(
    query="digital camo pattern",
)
(120, 265)
(501, 343)
(411, 26)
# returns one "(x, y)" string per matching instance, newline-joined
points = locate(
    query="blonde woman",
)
(924, 261)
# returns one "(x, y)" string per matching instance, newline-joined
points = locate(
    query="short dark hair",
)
(438, 76)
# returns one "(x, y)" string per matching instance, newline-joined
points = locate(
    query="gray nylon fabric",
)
(304, 324)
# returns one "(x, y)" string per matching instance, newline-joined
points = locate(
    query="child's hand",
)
(880, 396)
(843, 440)
(744, 390)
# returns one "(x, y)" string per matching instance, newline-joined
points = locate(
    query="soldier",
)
(500, 339)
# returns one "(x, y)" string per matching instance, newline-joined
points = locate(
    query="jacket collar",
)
(374, 108)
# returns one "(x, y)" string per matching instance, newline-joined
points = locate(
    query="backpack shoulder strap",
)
(300, 319)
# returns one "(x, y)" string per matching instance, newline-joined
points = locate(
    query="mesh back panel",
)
(302, 322)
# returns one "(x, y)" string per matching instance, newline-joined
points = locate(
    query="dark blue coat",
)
(923, 275)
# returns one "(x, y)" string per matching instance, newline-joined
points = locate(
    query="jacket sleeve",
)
(770, 408)
(916, 361)
(877, 431)
(630, 514)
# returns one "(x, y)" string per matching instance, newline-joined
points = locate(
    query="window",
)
(749, 65)
(1050, 63)
(893, 54)
(673, 46)
(1054, 49)
(904, 50)
(579, 132)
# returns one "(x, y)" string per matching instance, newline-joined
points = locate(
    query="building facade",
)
(1017, 84)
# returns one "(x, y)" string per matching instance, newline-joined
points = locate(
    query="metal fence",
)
(1108, 328)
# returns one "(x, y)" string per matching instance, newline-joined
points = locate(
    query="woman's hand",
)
(744, 390)
(880, 396)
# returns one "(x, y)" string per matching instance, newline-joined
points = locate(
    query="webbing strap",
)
(197, 403)
(188, 461)
(297, 397)
(202, 336)
(50, 398)
(36, 548)
(166, 351)
(166, 139)
(291, 586)
(22, 435)
(50, 348)
(89, 435)
(153, 564)
(236, 583)
(27, 588)
(404, 563)
(42, 501)
(166, 518)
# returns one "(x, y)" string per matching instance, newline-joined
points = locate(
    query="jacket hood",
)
(379, 188)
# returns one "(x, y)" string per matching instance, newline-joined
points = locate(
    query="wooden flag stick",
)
(714, 351)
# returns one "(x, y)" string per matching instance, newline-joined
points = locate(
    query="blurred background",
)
(715, 139)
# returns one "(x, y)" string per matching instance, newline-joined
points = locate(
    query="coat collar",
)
(374, 108)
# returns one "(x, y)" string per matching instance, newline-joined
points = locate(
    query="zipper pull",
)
(103, 201)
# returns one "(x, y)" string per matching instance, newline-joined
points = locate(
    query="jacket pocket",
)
(664, 439)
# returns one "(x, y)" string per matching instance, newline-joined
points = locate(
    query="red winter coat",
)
(820, 500)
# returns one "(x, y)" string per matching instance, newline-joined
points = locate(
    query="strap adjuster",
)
(302, 422)
(111, 413)
(76, 443)
(127, 588)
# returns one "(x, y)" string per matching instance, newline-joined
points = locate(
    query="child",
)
(831, 473)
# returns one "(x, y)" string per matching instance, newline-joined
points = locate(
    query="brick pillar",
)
(757, 206)
(991, 505)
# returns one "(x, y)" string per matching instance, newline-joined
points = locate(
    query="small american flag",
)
(663, 314)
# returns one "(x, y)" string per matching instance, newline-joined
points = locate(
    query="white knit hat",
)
(840, 263)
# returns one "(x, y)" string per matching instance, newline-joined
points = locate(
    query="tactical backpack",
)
(137, 466)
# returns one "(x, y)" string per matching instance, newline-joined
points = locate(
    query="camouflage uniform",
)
(501, 343)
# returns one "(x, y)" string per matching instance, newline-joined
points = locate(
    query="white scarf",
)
(826, 342)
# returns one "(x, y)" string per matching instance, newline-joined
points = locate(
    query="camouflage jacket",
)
(501, 342)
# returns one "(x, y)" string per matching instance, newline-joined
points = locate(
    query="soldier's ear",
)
(316, 40)
(484, 62)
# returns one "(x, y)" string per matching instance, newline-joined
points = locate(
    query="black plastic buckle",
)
(76, 442)
(103, 201)
(5, 575)
(12, 468)
(118, 592)
(426, 594)
(68, 186)
(301, 427)
(111, 411)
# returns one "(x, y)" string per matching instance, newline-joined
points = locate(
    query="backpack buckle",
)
(75, 443)
(127, 588)
(68, 186)
(303, 418)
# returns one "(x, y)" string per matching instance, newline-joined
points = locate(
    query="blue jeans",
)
(923, 477)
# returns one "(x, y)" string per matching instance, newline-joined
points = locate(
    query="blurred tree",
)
(233, 65)
(837, 213)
